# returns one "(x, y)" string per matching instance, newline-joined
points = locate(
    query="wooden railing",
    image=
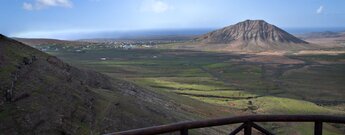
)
(248, 122)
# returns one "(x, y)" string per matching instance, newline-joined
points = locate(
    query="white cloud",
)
(156, 6)
(42, 4)
(319, 10)
(160, 7)
(61, 3)
(27, 6)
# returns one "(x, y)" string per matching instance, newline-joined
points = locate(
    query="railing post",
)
(184, 132)
(248, 128)
(318, 128)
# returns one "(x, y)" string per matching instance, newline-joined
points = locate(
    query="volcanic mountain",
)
(252, 35)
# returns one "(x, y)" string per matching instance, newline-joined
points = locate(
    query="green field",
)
(227, 81)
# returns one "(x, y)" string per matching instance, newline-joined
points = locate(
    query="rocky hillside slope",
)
(40, 94)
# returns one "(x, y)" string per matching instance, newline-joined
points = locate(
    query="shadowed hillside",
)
(40, 94)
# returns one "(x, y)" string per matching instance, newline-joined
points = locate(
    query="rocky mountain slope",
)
(40, 94)
(253, 35)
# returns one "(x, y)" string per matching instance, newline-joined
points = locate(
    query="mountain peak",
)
(254, 22)
(251, 35)
(261, 21)
(250, 25)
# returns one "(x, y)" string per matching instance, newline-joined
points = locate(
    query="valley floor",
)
(241, 83)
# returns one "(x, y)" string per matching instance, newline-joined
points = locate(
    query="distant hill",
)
(253, 35)
(326, 34)
(44, 41)
(327, 39)
(40, 94)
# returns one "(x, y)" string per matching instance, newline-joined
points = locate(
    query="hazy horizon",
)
(65, 19)
(155, 33)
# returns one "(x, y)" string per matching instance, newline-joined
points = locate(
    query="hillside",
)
(326, 34)
(40, 94)
(41, 41)
(252, 35)
(330, 40)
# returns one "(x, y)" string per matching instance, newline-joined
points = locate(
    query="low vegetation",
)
(228, 81)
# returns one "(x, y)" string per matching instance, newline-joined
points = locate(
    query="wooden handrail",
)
(184, 126)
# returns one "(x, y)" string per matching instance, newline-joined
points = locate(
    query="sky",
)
(53, 18)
